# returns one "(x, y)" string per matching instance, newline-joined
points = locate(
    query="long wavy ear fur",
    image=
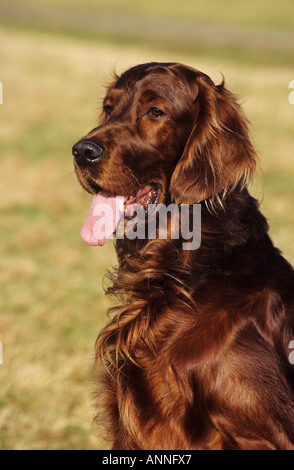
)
(219, 154)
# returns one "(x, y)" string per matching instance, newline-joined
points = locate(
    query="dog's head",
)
(166, 133)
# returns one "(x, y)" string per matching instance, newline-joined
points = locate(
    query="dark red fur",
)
(196, 354)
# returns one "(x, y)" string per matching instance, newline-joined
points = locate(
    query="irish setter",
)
(196, 355)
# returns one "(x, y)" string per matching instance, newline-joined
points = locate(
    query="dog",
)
(196, 354)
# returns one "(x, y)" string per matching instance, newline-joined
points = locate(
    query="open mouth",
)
(107, 210)
(146, 196)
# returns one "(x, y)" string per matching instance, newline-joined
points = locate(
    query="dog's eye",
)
(108, 109)
(155, 112)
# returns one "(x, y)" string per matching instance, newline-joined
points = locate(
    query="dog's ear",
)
(218, 155)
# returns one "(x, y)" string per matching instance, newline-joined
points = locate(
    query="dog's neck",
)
(154, 276)
(226, 228)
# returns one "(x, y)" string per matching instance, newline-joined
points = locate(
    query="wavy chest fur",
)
(171, 352)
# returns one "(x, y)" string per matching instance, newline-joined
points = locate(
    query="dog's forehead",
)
(143, 72)
(164, 80)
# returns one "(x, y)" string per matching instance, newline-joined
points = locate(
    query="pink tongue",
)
(102, 219)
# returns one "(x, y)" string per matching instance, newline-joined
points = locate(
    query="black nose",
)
(87, 152)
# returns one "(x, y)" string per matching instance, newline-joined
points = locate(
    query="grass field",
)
(52, 302)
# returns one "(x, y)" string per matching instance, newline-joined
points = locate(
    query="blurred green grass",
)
(265, 14)
(53, 71)
(253, 31)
